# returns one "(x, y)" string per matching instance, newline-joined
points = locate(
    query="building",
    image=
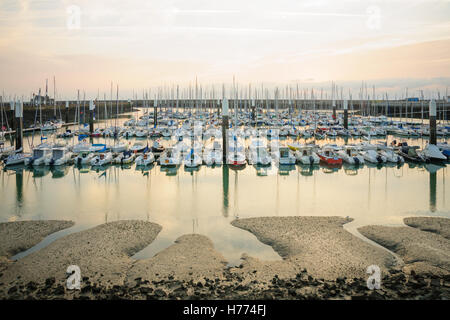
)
(44, 100)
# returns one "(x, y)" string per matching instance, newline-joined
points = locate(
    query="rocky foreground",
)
(396, 285)
(321, 260)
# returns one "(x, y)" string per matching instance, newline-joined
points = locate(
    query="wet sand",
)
(191, 257)
(423, 252)
(318, 244)
(321, 260)
(19, 236)
(102, 253)
(440, 226)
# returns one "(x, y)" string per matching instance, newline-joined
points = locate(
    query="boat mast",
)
(106, 109)
(54, 97)
(421, 103)
(40, 110)
(111, 101)
(116, 133)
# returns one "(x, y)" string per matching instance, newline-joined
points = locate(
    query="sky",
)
(394, 45)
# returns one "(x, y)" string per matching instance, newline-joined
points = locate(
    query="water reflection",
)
(433, 169)
(432, 191)
(204, 202)
(225, 186)
(19, 191)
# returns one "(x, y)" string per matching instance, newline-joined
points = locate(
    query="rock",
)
(50, 281)
(160, 293)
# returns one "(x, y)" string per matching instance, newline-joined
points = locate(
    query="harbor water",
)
(206, 200)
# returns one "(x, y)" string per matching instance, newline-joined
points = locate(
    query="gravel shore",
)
(102, 253)
(21, 235)
(423, 252)
(440, 226)
(192, 257)
(321, 260)
(319, 244)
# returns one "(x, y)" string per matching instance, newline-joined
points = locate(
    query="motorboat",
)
(306, 155)
(166, 132)
(129, 133)
(39, 155)
(157, 148)
(141, 133)
(286, 156)
(84, 157)
(60, 156)
(329, 156)
(145, 159)
(98, 132)
(66, 134)
(119, 147)
(102, 159)
(351, 155)
(411, 153)
(137, 147)
(125, 157)
(390, 154)
(372, 156)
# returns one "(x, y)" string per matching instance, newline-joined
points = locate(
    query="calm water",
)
(207, 200)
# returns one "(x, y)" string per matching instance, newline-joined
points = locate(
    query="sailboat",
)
(236, 153)
(257, 153)
(17, 158)
(433, 153)
(192, 159)
(145, 159)
(212, 154)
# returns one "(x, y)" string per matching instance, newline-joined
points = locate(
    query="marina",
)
(222, 155)
(173, 174)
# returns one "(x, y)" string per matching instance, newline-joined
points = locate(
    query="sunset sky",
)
(85, 44)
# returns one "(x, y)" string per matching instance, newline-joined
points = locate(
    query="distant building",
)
(44, 100)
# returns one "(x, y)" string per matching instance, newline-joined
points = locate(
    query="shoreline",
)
(191, 268)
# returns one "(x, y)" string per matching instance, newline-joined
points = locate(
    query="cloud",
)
(146, 43)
